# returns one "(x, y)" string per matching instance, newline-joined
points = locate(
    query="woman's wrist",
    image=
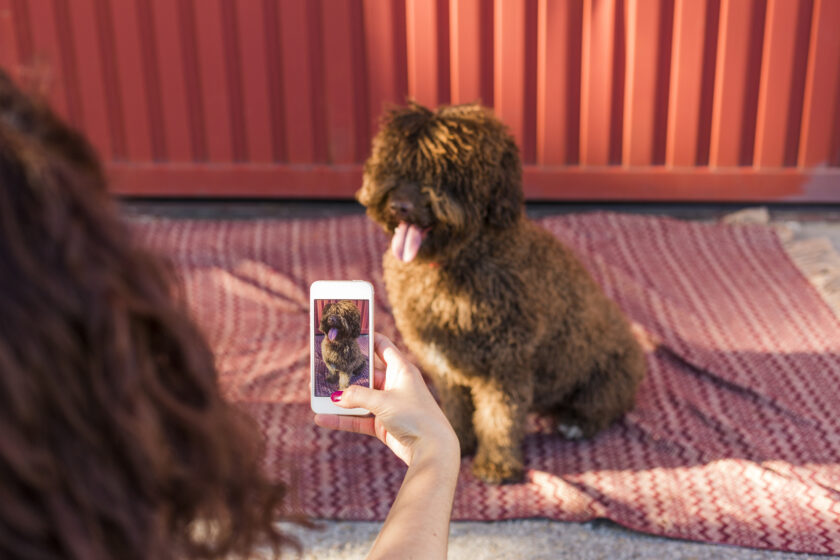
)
(443, 450)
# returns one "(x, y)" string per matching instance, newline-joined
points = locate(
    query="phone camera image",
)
(342, 333)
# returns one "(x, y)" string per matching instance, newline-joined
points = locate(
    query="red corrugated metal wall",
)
(609, 99)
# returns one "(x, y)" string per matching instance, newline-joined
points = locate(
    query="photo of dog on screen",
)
(341, 345)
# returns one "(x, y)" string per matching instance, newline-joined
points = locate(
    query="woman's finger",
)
(379, 378)
(384, 348)
(377, 361)
(356, 396)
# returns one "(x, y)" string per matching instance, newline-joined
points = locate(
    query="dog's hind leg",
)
(608, 393)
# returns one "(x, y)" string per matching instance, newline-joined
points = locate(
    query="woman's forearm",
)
(418, 523)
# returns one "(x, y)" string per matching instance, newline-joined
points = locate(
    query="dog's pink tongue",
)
(406, 241)
(333, 333)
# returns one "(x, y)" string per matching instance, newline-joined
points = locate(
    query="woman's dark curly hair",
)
(114, 440)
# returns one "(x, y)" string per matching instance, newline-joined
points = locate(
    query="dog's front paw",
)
(505, 471)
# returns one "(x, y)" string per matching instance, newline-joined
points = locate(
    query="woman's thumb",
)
(356, 396)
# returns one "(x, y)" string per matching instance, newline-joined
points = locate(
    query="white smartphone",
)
(340, 341)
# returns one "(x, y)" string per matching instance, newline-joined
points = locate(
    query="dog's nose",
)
(401, 208)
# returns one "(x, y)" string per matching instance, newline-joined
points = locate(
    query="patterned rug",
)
(735, 437)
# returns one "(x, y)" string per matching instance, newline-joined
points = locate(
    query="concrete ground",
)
(533, 539)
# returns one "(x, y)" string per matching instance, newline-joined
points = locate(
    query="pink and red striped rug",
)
(736, 435)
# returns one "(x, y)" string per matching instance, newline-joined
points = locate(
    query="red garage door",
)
(609, 99)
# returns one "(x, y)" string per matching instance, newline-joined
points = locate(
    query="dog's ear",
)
(506, 199)
(325, 311)
(354, 321)
(504, 180)
(446, 209)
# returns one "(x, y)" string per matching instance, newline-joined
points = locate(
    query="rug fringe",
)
(820, 263)
(817, 258)
(757, 215)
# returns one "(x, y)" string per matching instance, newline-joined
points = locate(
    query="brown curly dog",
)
(342, 323)
(502, 316)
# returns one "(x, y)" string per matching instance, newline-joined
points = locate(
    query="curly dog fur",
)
(340, 350)
(503, 317)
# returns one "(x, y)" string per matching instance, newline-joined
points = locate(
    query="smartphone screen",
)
(342, 343)
(341, 315)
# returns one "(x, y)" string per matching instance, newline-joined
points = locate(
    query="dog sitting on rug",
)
(503, 317)
(341, 322)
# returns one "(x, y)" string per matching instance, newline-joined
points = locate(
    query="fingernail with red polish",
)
(335, 397)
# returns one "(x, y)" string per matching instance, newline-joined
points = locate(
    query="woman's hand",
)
(408, 420)
(406, 417)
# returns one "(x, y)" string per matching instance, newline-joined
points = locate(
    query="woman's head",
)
(114, 441)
